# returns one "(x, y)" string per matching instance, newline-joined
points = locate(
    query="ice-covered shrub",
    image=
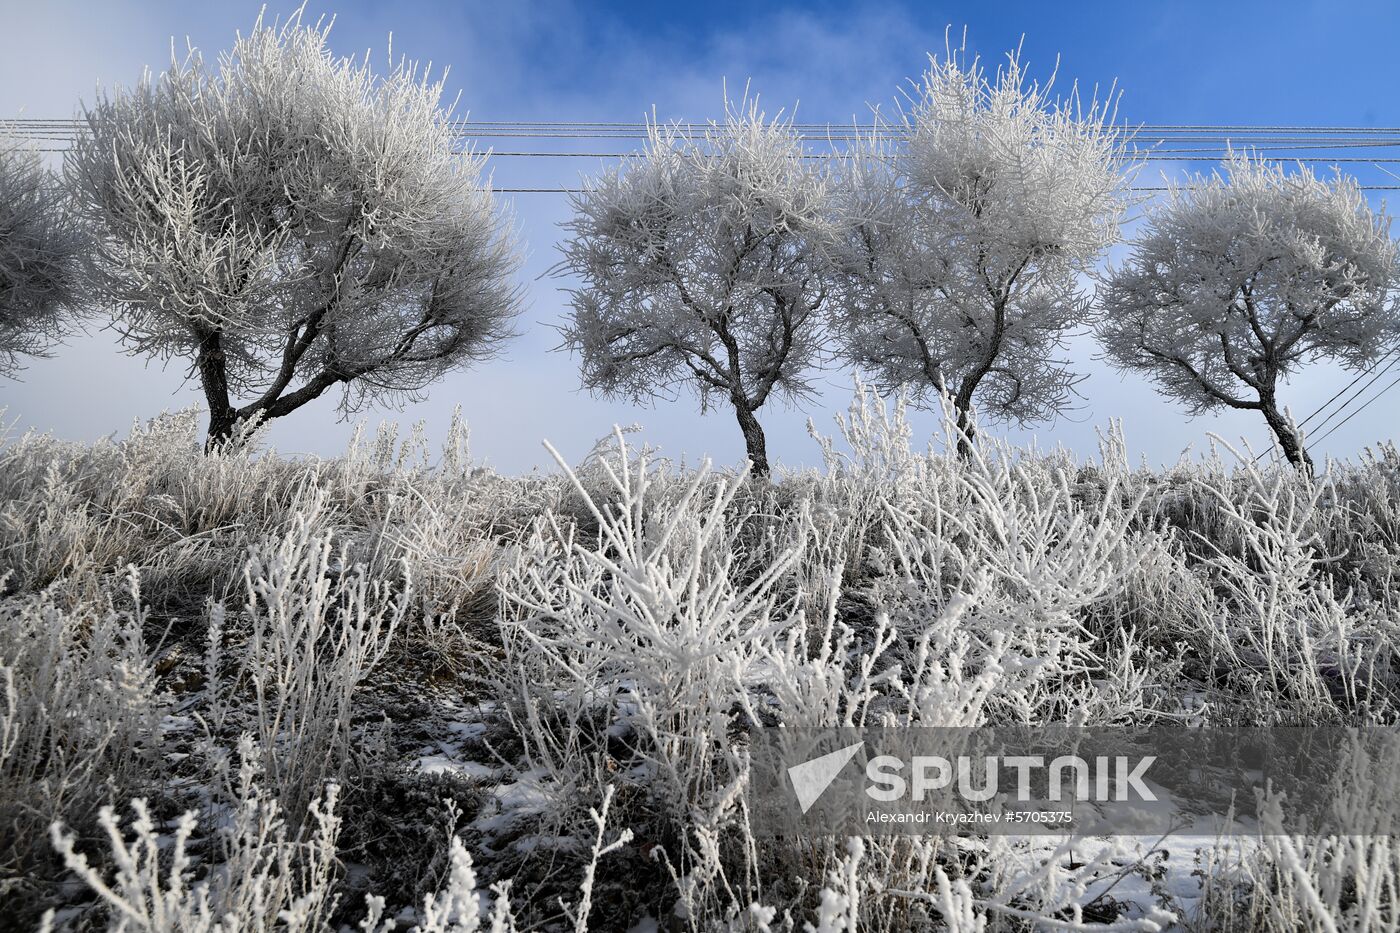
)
(312, 629)
(633, 653)
(1006, 534)
(259, 876)
(1285, 630)
(636, 647)
(637, 621)
(1346, 878)
(79, 721)
(262, 878)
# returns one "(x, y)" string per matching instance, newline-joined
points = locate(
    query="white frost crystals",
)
(1238, 280)
(702, 264)
(39, 246)
(964, 230)
(293, 223)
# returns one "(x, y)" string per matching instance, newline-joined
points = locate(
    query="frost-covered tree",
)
(1237, 282)
(293, 223)
(38, 246)
(967, 226)
(701, 264)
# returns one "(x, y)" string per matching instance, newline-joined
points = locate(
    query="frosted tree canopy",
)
(702, 265)
(293, 223)
(966, 227)
(1236, 282)
(38, 246)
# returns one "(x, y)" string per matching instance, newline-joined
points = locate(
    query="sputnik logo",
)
(811, 778)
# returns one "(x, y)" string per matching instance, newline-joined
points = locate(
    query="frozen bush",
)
(645, 639)
(636, 621)
(314, 629)
(263, 879)
(79, 721)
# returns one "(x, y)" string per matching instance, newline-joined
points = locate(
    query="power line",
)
(1182, 142)
(1146, 158)
(1369, 403)
(1380, 364)
(1220, 142)
(1362, 375)
(1174, 140)
(1178, 149)
(1179, 132)
(1138, 155)
(1359, 392)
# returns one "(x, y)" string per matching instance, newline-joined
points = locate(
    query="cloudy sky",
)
(1303, 63)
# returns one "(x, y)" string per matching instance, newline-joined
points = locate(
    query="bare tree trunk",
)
(213, 378)
(1287, 435)
(224, 417)
(754, 441)
(967, 431)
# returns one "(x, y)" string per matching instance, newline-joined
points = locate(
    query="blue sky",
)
(1194, 62)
